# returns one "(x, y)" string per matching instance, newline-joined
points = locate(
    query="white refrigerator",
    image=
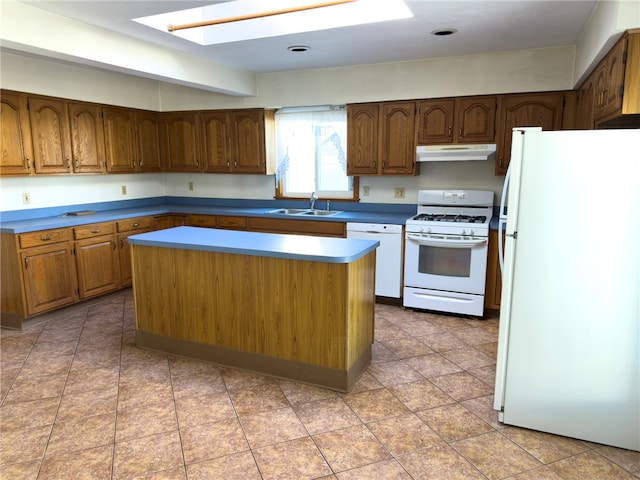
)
(569, 338)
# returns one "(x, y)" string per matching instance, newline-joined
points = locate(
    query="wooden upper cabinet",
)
(180, 139)
(251, 131)
(398, 138)
(17, 156)
(119, 132)
(215, 136)
(584, 106)
(381, 138)
(87, 138)
(609, 81)
(530, 110)
(362, 139)
(147, 128)
(49, 122)
(461, 120)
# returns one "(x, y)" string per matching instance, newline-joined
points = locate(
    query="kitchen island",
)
(291, 306)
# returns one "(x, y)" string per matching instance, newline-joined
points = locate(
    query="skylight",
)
(357, 12)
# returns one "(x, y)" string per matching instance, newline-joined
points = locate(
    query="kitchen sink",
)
(304, 211)
(321, 213)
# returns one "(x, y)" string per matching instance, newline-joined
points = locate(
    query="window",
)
(311, 145)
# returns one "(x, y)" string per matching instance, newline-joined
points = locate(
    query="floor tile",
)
(375, 405)
(394, 373)
(462, 386)
(350, 448)
(297, 459)
(627, 459)
(386, 469)
(407, 347)
(34, 413)
(438, 463)
(145, 455)
(273, 426)
(326, 415)
(212, 440)
(24, 445)
(543, 446)
(27, 388)
(420, 395)
(257, 399)
(148, 420)
(453, 422)
(495, 456)
(84, 404)
(404, 434)
(433, 365)
(21, 471)
(590, 465)
(203, 409)
(239, 466)
(197, 384)
(94, 464)
(297, 393)
(81, 434)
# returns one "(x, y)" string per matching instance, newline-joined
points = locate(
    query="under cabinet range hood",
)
(460, 152)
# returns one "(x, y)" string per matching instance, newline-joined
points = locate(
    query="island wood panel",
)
(289, 309)
(11, 292)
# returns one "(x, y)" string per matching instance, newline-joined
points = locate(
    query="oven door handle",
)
(440, 241)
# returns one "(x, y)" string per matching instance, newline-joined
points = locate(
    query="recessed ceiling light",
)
(298, 48)
(442, 32)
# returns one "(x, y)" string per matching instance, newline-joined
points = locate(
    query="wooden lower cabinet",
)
(98, 265)
(493, 289)
(170, 220)
(126, 228)
(298, 227)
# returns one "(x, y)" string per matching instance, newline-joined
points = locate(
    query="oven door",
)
(453, 263)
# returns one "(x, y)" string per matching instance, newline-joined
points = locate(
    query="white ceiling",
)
(483, 27)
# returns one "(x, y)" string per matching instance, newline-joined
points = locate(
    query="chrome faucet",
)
(312, 201)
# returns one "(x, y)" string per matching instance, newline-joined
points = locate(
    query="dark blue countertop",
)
(57, 217)
(294, 247)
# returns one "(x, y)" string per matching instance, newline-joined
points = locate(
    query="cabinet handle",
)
(228, 164)
(121, 243)
(140, 163)
(235, 164)
(68, 164)
(28, 164)
(26, 263)
(460, 131)
(450, 130)
(77, 164)
(135, 225)
(97, 230)
(46, 239)
(113, 245)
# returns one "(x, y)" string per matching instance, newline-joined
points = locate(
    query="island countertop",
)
(294, 247)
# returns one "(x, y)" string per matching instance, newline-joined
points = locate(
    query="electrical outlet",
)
(26, 198)
(191, 186)
(399, 192)
(365, 191)
(123, 188)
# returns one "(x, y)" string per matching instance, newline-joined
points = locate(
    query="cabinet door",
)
(50, 134)
(15, 134)
(435, 121)
(362, 139)
(610, 82)
(98, 264)
(87, 138)
(49, 278)
(215, 133)
(584, 105)
(147, 141)
(398, 138)
(180, 138)
(475, 120)
(119, 135)
(126, 276)
(247, 128)
(533, 110)
(493, 291)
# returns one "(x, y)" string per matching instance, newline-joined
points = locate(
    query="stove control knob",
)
(464, 232)
(470, 232)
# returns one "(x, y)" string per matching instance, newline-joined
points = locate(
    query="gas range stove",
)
(454, 212)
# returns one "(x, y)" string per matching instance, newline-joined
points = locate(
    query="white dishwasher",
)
(388, 254)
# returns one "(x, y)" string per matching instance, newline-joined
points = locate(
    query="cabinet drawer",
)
(44, 237)
(202, 221)
(232, 223)
(94, 230)
(134, 224)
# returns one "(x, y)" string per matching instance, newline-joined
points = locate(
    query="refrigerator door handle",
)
(502, 222)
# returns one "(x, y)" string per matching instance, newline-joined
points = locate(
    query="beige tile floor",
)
(81, 401)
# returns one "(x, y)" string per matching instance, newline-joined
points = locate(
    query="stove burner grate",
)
(444, 217)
